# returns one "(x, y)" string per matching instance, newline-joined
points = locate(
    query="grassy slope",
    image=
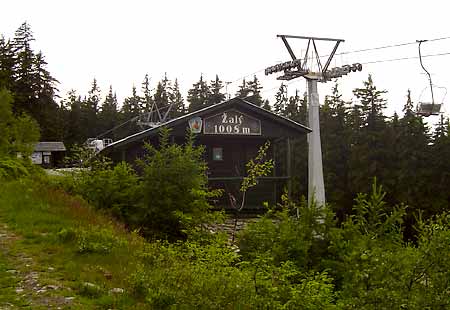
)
(67, 245)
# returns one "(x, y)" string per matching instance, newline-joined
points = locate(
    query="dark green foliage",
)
(131, 106)
(109, 114)
(291, 234)
(217, 95)
(18, 133)
(251, 91)
(174, 186)
(177, 102)
(199, 95)
(372, 267)
(209, 276)
(31, 84)
(12, 169)
(115, 189)
(162, 94)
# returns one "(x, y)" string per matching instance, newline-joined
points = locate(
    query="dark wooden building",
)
(49, 154)
(232, 133)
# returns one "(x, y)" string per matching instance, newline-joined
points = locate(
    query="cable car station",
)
(232, 133)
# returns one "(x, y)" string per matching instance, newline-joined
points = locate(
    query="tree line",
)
(359, 142)
(75, 117)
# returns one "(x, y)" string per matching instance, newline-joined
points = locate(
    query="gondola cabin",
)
(232, 133)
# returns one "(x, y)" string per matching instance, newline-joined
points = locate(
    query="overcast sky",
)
(118, 42)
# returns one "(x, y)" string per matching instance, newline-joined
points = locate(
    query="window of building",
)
(217, 153)
(46, 159)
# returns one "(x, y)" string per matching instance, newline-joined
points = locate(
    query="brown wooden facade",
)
(232, 133)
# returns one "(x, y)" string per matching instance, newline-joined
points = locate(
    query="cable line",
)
(389, 46)
(405, 58)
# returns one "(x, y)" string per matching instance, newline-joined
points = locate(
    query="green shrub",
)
(12, 169)
(295, 233)
(67, 235)
(115, 189)
(97, 240)
(174, 187)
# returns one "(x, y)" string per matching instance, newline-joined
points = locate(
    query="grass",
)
(71, 247)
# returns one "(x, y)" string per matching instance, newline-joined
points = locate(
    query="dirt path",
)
(22, 285)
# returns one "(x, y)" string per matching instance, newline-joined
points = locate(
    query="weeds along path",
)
(58, 253)
(21, 277)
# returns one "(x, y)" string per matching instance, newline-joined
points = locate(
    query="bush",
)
(115, 189)
(12, 169)
(295, 233)
(174, 187)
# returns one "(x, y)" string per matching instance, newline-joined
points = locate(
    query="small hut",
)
(49, 154)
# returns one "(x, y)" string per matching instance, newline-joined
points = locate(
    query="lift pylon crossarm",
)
(327, 64)
(288, 47)
(307, 38)
(323, 73)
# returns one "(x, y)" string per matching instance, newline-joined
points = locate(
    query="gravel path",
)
(27, 275)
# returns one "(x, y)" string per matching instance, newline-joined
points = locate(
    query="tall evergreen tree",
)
(251, 91)
(199, 95)
(281, 99)
(90, 109)
(131, 105)
(162, 93)
(147, 99)
(6, 64)
(216, 96)
(335, 137)
(255, 90)
(46, 110)
(243, 90)
(369, 139)
(76, 132)
(109, 115)
(24, 80)
(176, 101)
(438, 164)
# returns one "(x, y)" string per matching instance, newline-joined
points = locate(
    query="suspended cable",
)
(388, 46)
(361, 51)
(404, 58)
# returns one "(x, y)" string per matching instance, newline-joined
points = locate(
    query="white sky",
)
(118, 42)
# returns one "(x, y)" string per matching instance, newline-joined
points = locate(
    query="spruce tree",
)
(335, 137)
(281, 99)
(25, 88)
(369, 138)
(6, 64)
(438, 164)
(131, 105)
(76, 133)
(46, 111)
(146, 99)
(89, 111)
(243, 90)
(109, 115)
(176, 101)
(216, 95)
(162, 93)
(199, 95)
(254, 88)
(251, 91)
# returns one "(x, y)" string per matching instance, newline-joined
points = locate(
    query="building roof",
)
(49, 147)
(206, 111)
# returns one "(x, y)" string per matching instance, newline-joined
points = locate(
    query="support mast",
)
(298, 68)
